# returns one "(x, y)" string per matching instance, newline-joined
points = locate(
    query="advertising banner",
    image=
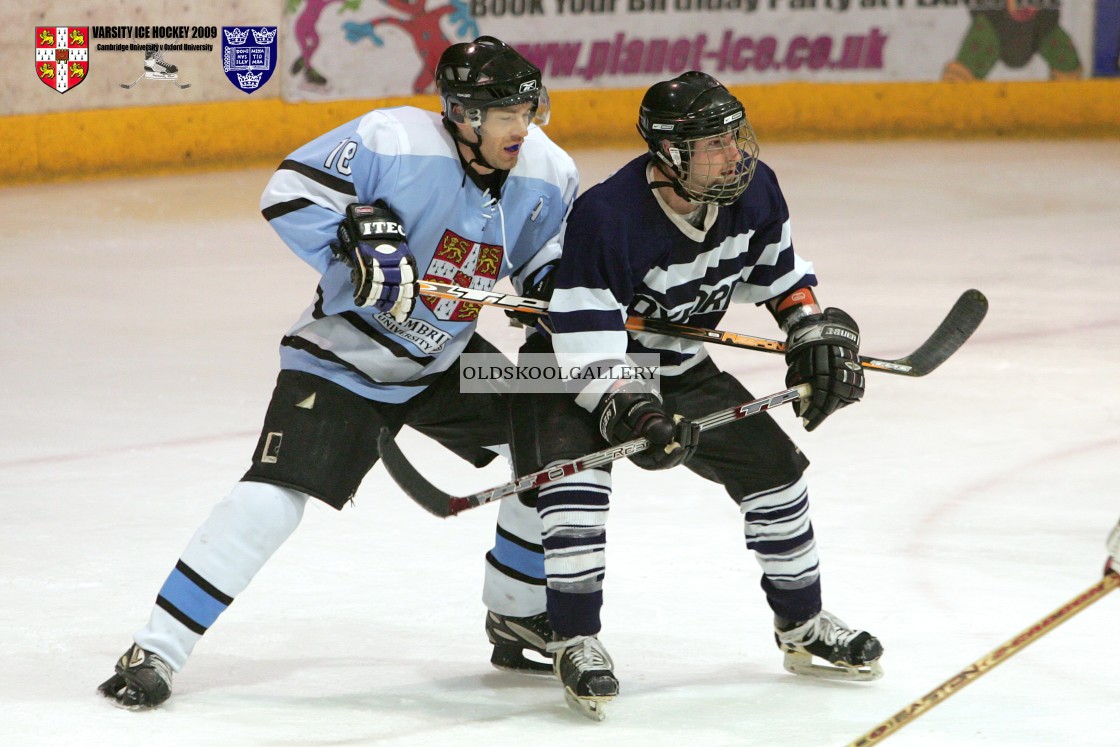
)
(359, 48)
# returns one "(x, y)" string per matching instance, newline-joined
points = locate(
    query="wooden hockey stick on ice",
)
(982, 666)
(961, 321)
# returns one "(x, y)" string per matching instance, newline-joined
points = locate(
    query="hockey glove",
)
(626, 415)
(539, 286)
(822, 350)
(371, 241)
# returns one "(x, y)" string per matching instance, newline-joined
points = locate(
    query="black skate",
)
(584, 666)
(512, 636)
(156, 65)
(157, 68)
(851, 654)
(143, 680)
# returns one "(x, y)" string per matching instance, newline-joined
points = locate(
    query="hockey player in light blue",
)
(470, 195)
(704, 224)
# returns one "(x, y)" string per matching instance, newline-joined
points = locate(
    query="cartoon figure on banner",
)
(419, 22)
(249, 64)
(422, 26)
(1008, 31)
(307, 37)
(62, 56)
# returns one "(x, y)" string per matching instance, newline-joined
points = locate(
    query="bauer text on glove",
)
(822, 350)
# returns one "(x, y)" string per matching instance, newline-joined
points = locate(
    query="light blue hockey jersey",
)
(458, 233)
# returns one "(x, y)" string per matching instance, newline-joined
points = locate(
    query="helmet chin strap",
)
(493, 181)
(674, 183)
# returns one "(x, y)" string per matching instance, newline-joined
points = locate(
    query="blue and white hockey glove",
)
(822, 350)
(371, 241)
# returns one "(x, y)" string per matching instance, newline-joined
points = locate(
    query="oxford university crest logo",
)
(62, 56)
(249, 55)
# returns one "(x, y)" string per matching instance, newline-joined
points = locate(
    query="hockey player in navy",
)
(470, 195)
(677, 234)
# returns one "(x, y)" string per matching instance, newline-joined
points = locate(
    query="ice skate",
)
(851, 654)
(584, 667)
(155, 65)
(513, 636)
(142, 680)
(157, 68)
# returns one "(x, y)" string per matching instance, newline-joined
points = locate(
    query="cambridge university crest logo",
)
(62, 55)
(465, 263)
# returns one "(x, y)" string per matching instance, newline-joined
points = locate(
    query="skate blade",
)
(509, 658)
(118, 698)
(593, 708)
(801, 662)
(544, 671)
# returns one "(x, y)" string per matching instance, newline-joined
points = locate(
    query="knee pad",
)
(242, 533)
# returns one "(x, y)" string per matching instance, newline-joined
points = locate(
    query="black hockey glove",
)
(626, 415)
(539, 287)
(371, 241)
(822, 350)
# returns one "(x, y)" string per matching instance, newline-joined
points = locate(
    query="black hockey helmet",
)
(485, 73)
(694, 106)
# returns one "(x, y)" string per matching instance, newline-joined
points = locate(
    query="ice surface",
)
(139, 348)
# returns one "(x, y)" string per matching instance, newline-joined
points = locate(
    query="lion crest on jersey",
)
(465, 263)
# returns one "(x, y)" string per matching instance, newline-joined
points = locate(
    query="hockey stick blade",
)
(441, 504)
(954, 330)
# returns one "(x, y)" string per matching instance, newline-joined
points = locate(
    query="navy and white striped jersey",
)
(457, 232)
(626, 253)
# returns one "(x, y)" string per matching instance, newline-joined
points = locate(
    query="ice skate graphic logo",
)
(467, 264)
(249, 64)
(62, 56)
(157, 68)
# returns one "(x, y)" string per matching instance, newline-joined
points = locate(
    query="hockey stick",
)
(961, 321)
(133, 83)
(984, 665)
(443, 505)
